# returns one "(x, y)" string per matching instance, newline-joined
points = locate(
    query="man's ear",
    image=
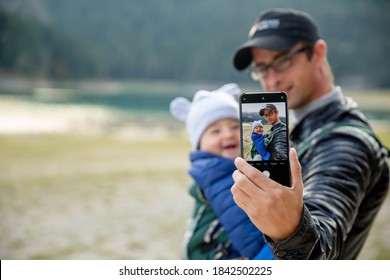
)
(319, 52)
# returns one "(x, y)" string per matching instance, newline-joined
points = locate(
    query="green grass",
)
(65, 196)
(110, 195)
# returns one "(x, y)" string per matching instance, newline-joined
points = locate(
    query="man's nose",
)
(272, 79)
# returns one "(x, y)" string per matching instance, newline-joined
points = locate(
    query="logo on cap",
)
(264, 24)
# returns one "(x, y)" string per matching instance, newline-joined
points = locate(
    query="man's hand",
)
(274, 209)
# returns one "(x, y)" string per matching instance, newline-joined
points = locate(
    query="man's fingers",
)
(239, 196)
(253, 174)
(244, 185)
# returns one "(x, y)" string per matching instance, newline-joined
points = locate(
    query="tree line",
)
(180, 40)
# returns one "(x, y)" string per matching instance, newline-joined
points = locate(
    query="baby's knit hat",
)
(257, 123)
(206, 108)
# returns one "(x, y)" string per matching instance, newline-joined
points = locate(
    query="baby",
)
(259, 151)
(218, 229)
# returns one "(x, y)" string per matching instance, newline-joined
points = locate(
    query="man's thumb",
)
(296, 173)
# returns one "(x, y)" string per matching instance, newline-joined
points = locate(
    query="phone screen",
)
(264, 133)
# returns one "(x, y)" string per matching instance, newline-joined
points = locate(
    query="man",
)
(342, 176)
(276, 141)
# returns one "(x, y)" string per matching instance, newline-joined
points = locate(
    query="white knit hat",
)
(206, 108)
(257, 123)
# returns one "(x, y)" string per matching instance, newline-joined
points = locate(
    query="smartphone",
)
(264, 133)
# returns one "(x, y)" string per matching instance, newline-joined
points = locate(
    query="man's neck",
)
(276, 123)
(333, 95)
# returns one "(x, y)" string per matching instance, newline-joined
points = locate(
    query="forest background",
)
(178, 40)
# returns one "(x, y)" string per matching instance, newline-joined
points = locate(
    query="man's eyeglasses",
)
(278, 64)
(269, 114)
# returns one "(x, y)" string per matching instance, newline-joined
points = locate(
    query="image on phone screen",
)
(264, 133)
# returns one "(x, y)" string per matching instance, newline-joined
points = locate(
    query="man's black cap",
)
(269, 107)
(277, 30)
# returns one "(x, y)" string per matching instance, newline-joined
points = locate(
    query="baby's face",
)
(222, 138)
(258, 129)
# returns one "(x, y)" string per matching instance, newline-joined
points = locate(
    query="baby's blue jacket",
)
(213, 174)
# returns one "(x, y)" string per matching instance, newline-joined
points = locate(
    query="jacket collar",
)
(335, 108)
(335, 95)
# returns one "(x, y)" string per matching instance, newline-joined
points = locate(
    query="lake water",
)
(24, 104)
(27, 106)
(119, 97)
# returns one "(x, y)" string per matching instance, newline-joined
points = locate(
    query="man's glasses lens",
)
(269, 114)
(278, 64)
